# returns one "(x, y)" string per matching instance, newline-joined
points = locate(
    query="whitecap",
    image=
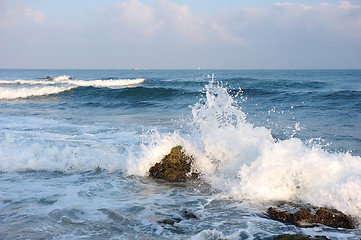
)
(246, 162)
(25, 92)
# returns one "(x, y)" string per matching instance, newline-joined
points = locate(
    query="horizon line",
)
(181, 69)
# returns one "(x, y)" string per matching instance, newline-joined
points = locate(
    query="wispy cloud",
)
(165, 20)
(284, 34)
(133, 17)
(16, 13)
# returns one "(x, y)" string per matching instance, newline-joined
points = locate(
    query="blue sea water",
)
(76, 146)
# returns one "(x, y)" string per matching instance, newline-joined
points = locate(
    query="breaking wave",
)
(54, 85)
(25, 92)
(238, 159)
(246, 162)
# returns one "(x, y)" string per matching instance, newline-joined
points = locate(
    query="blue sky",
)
(229, 34)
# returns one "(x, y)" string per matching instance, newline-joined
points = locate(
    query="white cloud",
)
(166, 34)
(225, 34)
(15, 13)
(293, 5)
(199, 29)
(164, 20)
(178, 18)
(340, 19)
(134, 16)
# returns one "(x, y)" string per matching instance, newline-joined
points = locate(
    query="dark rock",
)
(298, 237)
(171, 221)
(309, 216)
(189, 215)
(291, 237)
(174, 167)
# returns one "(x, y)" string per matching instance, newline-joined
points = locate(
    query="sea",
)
(76, 147)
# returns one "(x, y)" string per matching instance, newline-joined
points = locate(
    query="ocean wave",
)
(14, 93)
(147, 93)
(27, 82)
(103, 83)
(59, 78)
(54, 85)
(125, 94)
(19, 155)
(82, 83)
(342, 94)
(288, 85)
(238, 159)
(243, 161)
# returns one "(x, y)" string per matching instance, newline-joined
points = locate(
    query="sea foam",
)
(54, 85)
(56, 155)
(240, 160)
(83, 83)
(105, 83)
(246, 162)
(25, 92)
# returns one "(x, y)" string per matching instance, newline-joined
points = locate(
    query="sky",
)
(180, 34)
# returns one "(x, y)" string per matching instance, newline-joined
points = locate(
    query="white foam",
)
(28, 82)
(215, 234)
(58, 84)
(61, 78)
(19, 155)
(13, 93)
(234, 156)
(113, 83)
(246, 162)
(105, 83)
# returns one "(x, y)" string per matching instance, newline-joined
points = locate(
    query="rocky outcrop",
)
(174, 167)
(186, 215)
(298, 237)
(170, 221)
(309, 216)
(189, 215)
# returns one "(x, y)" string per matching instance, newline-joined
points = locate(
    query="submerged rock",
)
(309, 216)
(186, 215)
(298, 237)
(171, 221)
(174, 167)
(189, 215)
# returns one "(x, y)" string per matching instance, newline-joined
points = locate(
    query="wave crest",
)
(246, 162)
(54, 85)
(105, 83)
(14, 93)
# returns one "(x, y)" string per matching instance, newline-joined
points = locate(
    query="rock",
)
(174, 167)
(298, 237)
(309, 216)
(189, 215)
(291, 237)
(171, 221)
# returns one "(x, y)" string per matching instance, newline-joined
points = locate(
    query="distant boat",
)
(135, 68)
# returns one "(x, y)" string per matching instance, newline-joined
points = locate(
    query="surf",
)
(238, 159)
(245, 162)
(26, 92)
(9, 89)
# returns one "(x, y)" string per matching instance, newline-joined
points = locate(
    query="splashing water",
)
(246, 162)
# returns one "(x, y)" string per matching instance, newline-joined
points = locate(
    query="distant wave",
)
(59, 78)
(13, 93)
(58, 84)
(105, 83)
(82, 83)
(27, 82)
